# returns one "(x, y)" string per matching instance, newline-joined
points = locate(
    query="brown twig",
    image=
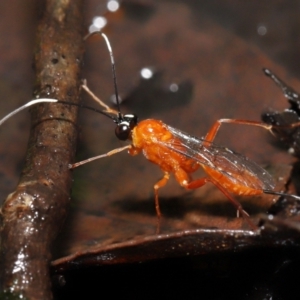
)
(35, 211)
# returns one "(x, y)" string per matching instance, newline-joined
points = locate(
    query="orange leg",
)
(162, 182)
(110, 153)
(202, 181)
(210, 136)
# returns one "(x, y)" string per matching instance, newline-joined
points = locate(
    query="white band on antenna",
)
(32, 102)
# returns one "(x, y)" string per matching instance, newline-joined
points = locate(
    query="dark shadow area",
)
(226, 276)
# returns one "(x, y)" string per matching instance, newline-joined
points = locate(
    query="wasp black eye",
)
(123, 131)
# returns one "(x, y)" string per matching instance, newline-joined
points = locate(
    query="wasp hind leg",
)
(202, 181)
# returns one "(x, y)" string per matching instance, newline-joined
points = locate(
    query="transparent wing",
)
(240, 169)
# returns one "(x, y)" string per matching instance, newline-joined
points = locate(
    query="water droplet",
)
(262, 29)
(146, 73)
(97, 24)
(174, 87)
(113, 5)
(48, 89)
(113, 99)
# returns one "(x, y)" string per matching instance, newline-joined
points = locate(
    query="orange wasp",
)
(181, 154)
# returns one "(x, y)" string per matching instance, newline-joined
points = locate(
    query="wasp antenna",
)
(90, 108)
(281, 194)
(47, 100)
(30, 103)
(90, 34)
(114, 72)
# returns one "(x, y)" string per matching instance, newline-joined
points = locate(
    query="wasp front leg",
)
(161, 183)
(110, 153)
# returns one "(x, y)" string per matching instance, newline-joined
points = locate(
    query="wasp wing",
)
(238, 168)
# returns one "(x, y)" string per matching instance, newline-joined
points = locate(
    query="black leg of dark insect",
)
(287, 91)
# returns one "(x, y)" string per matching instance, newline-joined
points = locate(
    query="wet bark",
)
(34, 213)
